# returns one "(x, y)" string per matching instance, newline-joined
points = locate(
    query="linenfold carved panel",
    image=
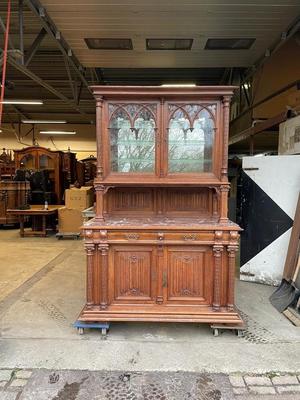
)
(188, 275)
(132, 270)
(180, 199)
(127, 199)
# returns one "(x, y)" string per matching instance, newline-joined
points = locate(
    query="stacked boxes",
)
(70, 217)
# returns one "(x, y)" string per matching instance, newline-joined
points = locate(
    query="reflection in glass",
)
(27, 162)
(132, 140)
(45, 162)
(191, 134)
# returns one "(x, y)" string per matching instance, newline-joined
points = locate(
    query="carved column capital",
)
(89, 248)
(103, 248)
(99, 101)
(224, 188)
(226, 101)
(232, 249)
(218, 249)
(99, 187)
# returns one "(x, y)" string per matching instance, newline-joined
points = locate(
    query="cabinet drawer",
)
(161, 236)
(132, 236)
(189, 237)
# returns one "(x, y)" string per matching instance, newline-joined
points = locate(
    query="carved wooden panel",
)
(133, 268)
(130, 200)
(189, 274)
(184, 200)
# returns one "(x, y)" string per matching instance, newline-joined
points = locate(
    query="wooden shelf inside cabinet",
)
(161, 247)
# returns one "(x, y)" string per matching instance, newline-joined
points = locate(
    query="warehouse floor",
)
(42, 285)
(42, 291)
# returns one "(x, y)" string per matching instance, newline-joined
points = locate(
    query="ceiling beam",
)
(44, 84)
(34, 47)
(36, 7)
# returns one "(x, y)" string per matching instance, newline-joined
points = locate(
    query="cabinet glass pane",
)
(132, 139)
(27, 161)
(46, 162)
(190, 140)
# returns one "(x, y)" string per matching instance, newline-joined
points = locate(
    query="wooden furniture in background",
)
(161, 247)
(42, 220)
(80, 173)
(56, 162)
(12, 195)
(90, 167)
(7, 166)
(69, 168)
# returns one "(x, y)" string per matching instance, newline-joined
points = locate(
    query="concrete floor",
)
(38, 309)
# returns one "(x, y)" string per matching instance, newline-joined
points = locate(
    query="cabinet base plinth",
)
(161, 314)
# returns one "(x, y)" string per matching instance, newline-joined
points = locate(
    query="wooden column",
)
(160, 266)
(103, 259)
(90, 252)
(226, 104)
(217, 249)
(100, 191)
(224, 189)
(99, 104)
(231, 249)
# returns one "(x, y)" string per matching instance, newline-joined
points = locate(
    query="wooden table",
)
(39, 218)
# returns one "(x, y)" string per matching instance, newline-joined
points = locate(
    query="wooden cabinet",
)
(59, 165)
(12, 195)
(161, 247)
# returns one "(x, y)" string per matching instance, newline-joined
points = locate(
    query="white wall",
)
(279, 178)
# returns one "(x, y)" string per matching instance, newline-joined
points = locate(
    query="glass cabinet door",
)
(27, 162)
(132, 131)
(46, 162)
(190, 138)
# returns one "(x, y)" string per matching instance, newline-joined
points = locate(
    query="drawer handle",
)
(132, 236)
(190, 236)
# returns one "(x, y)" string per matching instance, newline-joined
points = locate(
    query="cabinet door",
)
(132, 274)
(189, 271)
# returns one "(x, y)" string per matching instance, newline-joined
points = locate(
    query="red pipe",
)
(4, 60)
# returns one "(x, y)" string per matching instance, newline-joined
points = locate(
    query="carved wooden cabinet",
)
(60, 165)
(13, 194)
(161, 247)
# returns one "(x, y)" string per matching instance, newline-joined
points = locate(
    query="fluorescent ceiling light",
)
(179, 85)
(34, 102)
(58, 132)
(42, 121)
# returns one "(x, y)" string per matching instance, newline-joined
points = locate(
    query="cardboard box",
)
(79, 199)
(70, 220)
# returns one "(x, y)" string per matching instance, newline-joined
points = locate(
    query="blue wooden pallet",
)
(81, 325)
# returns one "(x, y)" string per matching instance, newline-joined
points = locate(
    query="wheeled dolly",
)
(238, 329)
(80, 325)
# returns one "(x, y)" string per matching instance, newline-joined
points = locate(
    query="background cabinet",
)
(60, 167)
